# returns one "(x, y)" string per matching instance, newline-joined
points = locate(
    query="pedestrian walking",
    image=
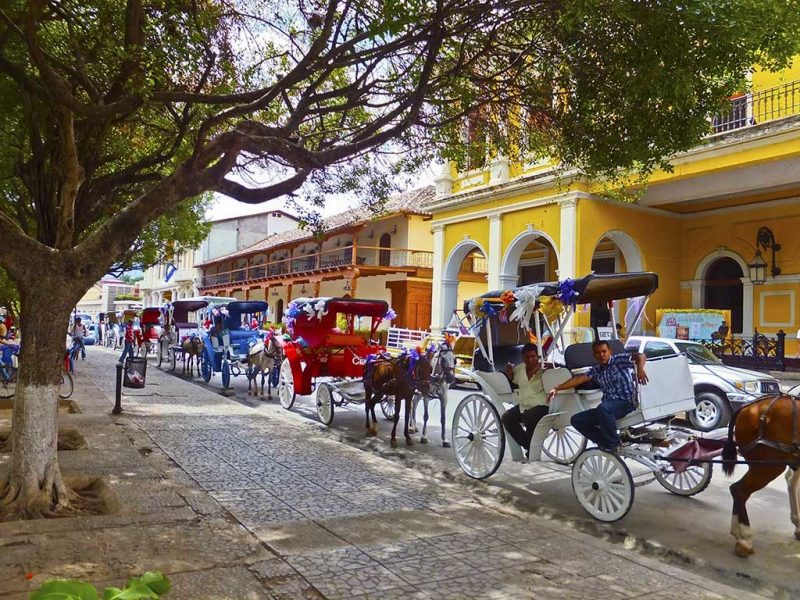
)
(78, 333)
(131, 335)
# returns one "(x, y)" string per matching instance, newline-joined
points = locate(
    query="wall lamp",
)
(765, 240)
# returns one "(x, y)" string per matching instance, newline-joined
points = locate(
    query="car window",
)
(632, 346)
(655, 349)
(795, 391)
(697, 353)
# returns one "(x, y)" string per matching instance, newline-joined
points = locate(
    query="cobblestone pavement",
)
(236, 505)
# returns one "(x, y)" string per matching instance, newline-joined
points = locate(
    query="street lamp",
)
(758, 266)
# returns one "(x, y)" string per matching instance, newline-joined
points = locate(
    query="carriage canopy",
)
(247, 307)
(182, 308)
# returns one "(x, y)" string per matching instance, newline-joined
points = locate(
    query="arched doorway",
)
(616, 252)
(530, 258)
(278, 318)
(465, 276)
(723, 289)
(385, 256)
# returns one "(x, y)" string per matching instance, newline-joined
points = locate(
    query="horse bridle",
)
(443, 349)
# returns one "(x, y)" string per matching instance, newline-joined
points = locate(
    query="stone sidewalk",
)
(230, 504)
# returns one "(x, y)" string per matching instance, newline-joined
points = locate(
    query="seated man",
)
(613, 374)
(527, 377)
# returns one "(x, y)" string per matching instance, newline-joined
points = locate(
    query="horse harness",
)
(792, 449)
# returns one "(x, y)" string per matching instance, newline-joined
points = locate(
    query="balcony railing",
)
(760, 107)
(329, 260)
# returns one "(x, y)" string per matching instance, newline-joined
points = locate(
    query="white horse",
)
(261, 358)
(443, 373)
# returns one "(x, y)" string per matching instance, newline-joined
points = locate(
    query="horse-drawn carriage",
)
(151, 322)
(183, 336)
(114, 330)
(321, 348)
(602, 481)
(233, 334)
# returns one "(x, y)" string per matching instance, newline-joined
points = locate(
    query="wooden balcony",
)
(369, 260)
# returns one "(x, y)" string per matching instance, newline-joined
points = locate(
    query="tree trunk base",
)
(56, 498)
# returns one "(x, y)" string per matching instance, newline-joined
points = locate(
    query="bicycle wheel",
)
(8, 382)
(65, 391)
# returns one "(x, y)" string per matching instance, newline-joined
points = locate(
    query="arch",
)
(278, 318)
(708, 260)
(513, 254)
(627, 246)
(457, 255)
(723, 289)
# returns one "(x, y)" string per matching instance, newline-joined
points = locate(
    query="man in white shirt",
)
(527, 377)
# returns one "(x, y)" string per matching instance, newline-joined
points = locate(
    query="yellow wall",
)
(543, 218)
(419, 234)
(476, 229)
(468, 290)
(765, 79)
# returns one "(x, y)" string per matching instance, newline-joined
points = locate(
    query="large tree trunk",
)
(34, 487)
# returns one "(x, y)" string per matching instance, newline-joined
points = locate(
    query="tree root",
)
(55, 499)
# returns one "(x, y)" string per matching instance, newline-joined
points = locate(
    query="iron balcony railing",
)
(763, 106)
(363, 256)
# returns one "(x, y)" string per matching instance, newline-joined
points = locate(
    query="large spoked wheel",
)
(286, 393)
(603, 485)
(205, 368)
(8, 382)
(387, 407)
(687, 483)
(226, 374)
(325, 403)
(67, 385)
(478, 436)
(564, 445)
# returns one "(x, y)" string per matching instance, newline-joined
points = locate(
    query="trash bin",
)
(135, 372)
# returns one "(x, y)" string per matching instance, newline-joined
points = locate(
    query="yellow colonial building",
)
(696, 227)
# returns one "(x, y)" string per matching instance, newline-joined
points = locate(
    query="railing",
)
(365, 256)
(760, 107)
(760, 352)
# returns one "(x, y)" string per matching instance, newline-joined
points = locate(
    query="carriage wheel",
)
(286, 393)
(603, 485)
(564, 445)
(325, 403)
(226, 374)
(479, 439)
(688, 483)
(205, 367)
(67, 385)
(387, 407)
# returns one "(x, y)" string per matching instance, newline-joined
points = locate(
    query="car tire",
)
(712, 412)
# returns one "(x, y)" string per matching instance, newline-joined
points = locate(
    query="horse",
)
(398, 377)
(767, 433)
(192, 349)
(261, 358)
(443, 373)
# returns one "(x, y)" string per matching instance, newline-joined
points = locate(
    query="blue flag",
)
(170, 271)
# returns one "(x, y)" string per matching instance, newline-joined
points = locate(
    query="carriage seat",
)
(502, 356)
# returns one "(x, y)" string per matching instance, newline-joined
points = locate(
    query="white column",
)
(437, 305)
(747, 307)
(449, 299)
(569, 238)
(696, 285)
(495, 250)
(568, 251)
(507, 282)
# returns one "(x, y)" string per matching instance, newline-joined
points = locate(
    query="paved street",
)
(688, 531)
(321, 519)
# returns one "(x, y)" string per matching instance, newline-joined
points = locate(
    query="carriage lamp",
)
(347, 287)
(765, 240)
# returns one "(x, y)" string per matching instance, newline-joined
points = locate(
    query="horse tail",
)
(729, 453)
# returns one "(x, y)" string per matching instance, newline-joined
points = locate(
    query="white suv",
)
(719, 389)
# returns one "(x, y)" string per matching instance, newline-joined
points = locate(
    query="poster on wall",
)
(693, 324)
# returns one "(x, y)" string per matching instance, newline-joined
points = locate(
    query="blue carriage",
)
(234, 330)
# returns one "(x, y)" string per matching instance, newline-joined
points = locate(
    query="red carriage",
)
(332, 337)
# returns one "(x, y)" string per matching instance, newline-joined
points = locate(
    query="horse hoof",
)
(409, 441)
(423, 440)
(445, 444)
(797, 534)
(743, 550)
(393, 443)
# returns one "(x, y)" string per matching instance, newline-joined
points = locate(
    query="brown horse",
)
(398, 377)
(767, 433)
(192, 349)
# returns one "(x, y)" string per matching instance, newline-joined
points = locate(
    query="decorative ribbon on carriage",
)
(481, 309)
(389, 315)
(525, 304)
(316, 310)
(566, 292)
(290, 315)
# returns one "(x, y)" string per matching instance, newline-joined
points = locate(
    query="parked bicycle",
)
(8, 377)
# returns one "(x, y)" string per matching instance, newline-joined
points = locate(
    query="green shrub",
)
(149, 585)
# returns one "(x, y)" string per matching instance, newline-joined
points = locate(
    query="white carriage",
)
(603, 482)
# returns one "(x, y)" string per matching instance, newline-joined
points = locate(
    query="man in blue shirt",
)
(614, 375)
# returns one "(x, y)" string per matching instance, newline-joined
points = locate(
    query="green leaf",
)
(150, 585)
(65, 590)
